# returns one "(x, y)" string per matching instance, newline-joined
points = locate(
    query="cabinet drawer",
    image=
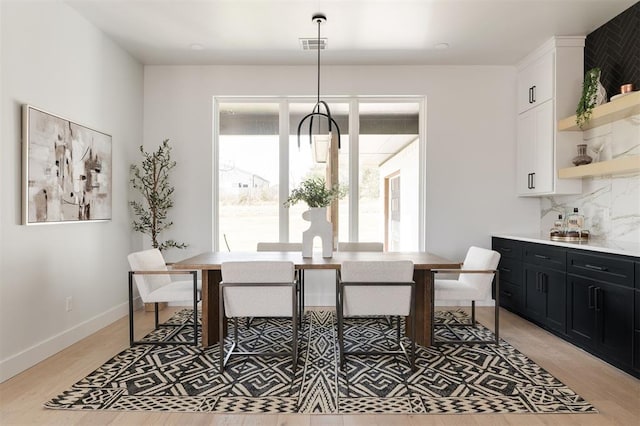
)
(507, 248)
(547, 256)
(510, 270)
(510, 296)
(601, 267)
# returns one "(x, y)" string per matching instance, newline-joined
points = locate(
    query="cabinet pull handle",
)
(540, 256)
(505, 269)
(598, 298)
(530, 94)
(596, 268)
(505, 249)
(590, 292)
(533, 94)
(533, 182)
(506, 293)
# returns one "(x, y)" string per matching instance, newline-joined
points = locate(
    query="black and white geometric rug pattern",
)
(449, 379)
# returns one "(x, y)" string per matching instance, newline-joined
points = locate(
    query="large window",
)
(259, 161)
(248, 175)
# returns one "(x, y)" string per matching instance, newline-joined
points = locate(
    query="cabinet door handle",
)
(505, 249)
(540, 256)
(505, 269)
(533, 182)
(596, 268)
(530, 93)
(533, 94)
(506, 293)
(598, 298)
(590, 292)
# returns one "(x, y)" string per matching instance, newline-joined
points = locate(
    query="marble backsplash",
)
(610, 204)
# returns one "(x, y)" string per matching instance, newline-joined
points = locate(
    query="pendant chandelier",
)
(320, 142)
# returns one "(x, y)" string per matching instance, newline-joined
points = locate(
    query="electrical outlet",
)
(69, 303)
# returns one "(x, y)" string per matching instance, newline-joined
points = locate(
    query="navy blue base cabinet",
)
(588, 298)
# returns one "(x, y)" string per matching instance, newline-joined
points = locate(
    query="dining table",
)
(210, 264)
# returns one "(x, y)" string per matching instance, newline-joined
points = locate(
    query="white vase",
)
(601, 94)
(319, 227)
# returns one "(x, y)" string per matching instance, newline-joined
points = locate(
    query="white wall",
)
(54, 59)
(470, 136)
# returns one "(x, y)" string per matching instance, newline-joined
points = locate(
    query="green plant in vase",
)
(315, 193)
(588, 99)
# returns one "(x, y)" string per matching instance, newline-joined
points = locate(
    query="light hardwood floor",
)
(615, 394)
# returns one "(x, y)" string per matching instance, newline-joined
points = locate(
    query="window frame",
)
(354, 167)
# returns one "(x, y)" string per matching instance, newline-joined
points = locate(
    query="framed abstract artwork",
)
(66, 170)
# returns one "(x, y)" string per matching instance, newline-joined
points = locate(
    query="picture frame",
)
(66, 170)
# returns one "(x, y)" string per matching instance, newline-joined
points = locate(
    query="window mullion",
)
(354, 168)
(283, 193)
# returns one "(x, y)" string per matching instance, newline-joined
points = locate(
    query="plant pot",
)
(319, 227)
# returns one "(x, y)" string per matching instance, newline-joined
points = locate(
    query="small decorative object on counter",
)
(574, 229)
(582, 157)
(626, 88)
(558, 226)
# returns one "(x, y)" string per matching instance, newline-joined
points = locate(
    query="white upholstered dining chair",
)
(257, 289)
(155, 285)
(360, 246)
(288, 247)
(376, 288)
(473, 284)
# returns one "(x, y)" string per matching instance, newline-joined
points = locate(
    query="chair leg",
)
(473, 313)
(195, 308)
(130, 308)
(235, 330)
(294, 332)
(496, 307)
(221, 328)
(155, 314)
(339, 313)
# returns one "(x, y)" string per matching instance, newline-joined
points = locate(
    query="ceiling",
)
(359, 32)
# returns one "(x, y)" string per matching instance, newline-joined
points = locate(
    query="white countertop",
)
(605, 246)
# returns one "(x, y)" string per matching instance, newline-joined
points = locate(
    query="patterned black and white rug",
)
(450, 379)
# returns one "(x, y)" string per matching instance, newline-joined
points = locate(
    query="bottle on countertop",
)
(558, 226)
(575, 222)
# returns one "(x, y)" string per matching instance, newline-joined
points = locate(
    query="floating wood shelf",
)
(617, 109)
(619, 165)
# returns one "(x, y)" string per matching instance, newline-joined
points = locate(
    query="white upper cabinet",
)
(549, 86)
(535, 142)
(535, 83)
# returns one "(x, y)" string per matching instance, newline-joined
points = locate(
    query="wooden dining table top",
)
(214, 260)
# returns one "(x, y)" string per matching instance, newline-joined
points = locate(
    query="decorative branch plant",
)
(588, 99)
(151, 179)
(315, 193)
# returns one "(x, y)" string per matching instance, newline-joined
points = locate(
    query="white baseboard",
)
(29, 357)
